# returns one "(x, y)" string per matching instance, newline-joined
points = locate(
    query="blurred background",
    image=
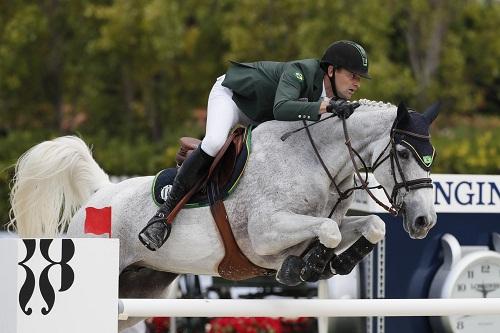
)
(132, 76)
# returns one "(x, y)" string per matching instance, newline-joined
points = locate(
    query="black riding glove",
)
(342, 108)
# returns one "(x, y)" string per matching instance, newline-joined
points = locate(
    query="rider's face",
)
(346, 83)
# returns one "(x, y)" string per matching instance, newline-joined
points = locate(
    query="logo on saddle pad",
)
(165, 191)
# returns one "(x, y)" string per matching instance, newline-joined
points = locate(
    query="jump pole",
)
(306, 307)
(83, 281)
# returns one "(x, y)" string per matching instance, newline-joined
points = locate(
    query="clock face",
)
(480, 279)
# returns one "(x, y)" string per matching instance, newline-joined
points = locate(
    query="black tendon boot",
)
(296, 270)
(316, 260)
(347, 260)
(289, 273)
(157, 230)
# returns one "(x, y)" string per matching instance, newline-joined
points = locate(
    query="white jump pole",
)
(306, 307)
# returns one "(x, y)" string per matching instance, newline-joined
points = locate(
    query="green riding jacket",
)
(268, 90)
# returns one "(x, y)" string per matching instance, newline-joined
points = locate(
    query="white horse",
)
(278, 209)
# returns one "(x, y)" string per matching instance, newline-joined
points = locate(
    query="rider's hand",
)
(342, 108)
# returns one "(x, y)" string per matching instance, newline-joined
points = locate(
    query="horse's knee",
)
(329, 234)
(374, 229)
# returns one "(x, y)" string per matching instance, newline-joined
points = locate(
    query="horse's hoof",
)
(289, 273)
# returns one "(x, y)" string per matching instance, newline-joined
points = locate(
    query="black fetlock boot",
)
(289, 273)
(316, 260)
(344, 263)
(157, 230)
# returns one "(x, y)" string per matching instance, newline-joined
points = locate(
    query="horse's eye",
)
(404, 154)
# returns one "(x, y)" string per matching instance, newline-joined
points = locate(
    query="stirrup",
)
(143, 239)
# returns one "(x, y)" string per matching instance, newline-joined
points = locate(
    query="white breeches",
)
(222, 116)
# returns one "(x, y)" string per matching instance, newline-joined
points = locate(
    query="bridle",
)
(409, 185)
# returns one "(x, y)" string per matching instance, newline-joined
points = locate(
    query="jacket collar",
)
(318, 83)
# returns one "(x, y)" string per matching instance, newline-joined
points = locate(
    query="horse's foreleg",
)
(366, 232)
(310, 267)
(285, 229)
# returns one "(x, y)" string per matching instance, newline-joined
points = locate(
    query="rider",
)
(251, 93)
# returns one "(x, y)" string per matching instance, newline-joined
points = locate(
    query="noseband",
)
(408, 185)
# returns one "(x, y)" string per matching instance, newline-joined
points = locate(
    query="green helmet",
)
(348, 55)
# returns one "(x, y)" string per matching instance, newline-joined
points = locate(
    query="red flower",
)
(245, 325)
(160, 324)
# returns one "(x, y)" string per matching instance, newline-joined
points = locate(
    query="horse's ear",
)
(402, 113)
(432, 112)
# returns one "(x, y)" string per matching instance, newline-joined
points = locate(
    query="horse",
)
(279, 208)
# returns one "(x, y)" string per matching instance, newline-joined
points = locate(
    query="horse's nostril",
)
(421, 222)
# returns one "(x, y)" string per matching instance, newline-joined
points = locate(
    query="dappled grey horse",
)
(279, 209)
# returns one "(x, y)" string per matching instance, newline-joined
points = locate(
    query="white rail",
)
(306, 307)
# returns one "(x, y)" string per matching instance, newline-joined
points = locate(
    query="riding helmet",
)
(346, 54)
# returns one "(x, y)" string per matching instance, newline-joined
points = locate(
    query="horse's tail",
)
(52, 181)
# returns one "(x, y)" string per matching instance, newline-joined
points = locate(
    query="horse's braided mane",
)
(375, 105)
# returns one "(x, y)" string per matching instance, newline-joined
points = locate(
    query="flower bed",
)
(260, 325)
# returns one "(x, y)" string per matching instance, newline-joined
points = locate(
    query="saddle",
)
(235, 265)
(232, 168)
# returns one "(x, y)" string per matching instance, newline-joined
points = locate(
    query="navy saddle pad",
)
(162, 182)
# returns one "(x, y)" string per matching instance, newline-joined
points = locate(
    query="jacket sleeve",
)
(287, 102)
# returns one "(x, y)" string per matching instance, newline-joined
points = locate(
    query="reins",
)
(364, 184)
(287, 134)
(342, 194)
(407, 184)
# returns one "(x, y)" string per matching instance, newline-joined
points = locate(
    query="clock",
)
(467, 272)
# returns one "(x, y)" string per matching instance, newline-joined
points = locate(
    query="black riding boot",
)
(195, 167)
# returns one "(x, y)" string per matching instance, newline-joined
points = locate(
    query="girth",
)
(235, 265)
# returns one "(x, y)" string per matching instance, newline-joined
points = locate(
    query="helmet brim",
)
(363, 74)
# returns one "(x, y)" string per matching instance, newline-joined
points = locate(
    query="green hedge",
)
(470, 147)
